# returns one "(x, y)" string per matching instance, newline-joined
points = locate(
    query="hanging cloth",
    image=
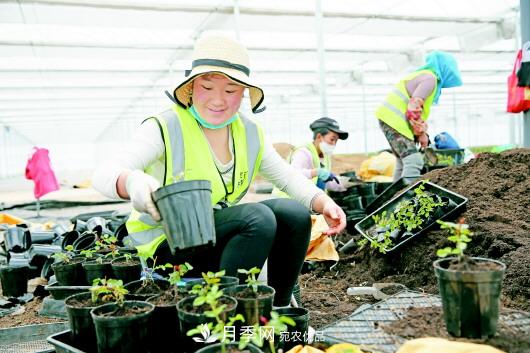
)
(39, 170)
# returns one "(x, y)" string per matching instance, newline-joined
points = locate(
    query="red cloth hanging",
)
(518, 97)
(40, 171)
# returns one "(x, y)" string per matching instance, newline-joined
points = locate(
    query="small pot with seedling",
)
(122, 326)
(78, 307)
(149, 286)
(68, 268)
(254, 300)
(164, 321)
(98, 264)
(207, 305)
(128, 268)
(469, 286)
(219, 278)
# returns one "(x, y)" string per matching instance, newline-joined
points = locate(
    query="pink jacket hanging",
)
(39, 170)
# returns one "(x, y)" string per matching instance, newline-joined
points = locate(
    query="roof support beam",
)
(229, 10)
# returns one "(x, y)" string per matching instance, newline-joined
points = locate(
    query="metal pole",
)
(365, 127)
(321, 59)
(236, 18)
(525, 36)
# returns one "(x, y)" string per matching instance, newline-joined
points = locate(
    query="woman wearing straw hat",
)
(403, 114)
(219, 144)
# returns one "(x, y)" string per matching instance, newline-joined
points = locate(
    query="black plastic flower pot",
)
(14, 280)
(123, 334)
(127, 271)
(224, 282)
(85, 241)
(231, 347)
(470, 299)
(69, 239)
(82, 330)
(164, 326)
(80, 225)
(59, 292)
(353, 202)
(296, 334)
(190, 319)
(137, 290)
(69, 274)
(17, 239)
(187, 214)
(252, 308)
(94, 269)
(367, 189)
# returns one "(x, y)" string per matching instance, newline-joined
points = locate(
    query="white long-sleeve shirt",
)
(146, 146)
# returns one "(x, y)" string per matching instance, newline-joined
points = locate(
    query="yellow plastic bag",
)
(440, 345)
(381, 165)
(344, 348)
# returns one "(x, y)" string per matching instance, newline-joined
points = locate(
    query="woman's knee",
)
(290, 213)
(259, 218)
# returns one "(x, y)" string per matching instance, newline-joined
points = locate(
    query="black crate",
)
(459, 201)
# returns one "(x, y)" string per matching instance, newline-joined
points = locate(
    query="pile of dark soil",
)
(498, 212)
(429, 322)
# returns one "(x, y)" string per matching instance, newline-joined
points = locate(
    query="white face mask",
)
(326, 148)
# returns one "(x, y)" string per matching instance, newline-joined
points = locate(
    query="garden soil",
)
(425, 322)
(498, 212)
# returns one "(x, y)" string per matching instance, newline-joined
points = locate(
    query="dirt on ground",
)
(429, 322)
(28, 315)
(498, 212)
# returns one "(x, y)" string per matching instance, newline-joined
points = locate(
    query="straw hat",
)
(223, 55)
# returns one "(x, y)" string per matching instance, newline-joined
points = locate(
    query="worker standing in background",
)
(205, 137)
(403, 114)
(314, 158)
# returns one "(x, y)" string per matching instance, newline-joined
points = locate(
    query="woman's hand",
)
(333, 214)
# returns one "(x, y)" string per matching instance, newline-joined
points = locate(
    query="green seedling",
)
(251, 280)
(213, 331)
(210, 279)
(127, 256)
(460, 235)
(66, 256)
(178, 272)
(277, 324)
(408, 215)
(88, 253)
(108, 290)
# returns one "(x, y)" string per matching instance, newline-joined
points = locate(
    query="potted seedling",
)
(469, 286)
(78, 308)
(95, 265)
(254, 299)
(121, 326)
(206, 305)
(148, 286)
(164, 321)
(220, 326)
(210, 277)
(128, 268)
(68, 268)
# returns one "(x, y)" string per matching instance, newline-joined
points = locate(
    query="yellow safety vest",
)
(392, 111)
(315, 164)
(187, 156)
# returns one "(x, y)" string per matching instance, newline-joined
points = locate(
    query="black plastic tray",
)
(62, 292)
(460, 201)
(62, 343)
(388, 193)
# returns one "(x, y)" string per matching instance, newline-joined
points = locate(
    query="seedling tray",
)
(460, 201)
(62, 292)
(63, 343)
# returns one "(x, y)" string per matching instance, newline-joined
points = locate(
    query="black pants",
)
(248, 234)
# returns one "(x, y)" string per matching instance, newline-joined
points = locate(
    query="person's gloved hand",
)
(325, 175)
(414, 108)
(423, 140)
(419, 127)
(139, 186)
